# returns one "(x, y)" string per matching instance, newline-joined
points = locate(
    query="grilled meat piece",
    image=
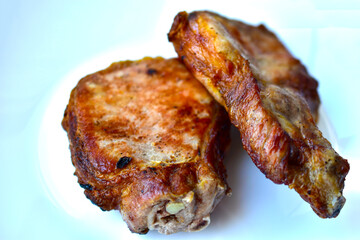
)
(146, 138)
(269, 97)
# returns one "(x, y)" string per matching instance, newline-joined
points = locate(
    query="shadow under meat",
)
(230, 208)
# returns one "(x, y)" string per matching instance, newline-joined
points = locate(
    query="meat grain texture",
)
(146, 138)
(270, 98)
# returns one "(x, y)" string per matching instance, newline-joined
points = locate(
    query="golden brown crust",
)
(269, 60)
(145, 134)
(267, 94)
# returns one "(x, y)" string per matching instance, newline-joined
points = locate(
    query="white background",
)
(44, 45)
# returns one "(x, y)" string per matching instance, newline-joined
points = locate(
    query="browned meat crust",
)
(267, 94)
(146, 138)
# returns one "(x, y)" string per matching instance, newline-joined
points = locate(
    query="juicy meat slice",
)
(267, 94)
(146, 138)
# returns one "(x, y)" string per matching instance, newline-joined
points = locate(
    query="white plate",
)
(257, 208)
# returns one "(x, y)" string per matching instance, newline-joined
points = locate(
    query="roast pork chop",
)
(270, 98)
(147, 138)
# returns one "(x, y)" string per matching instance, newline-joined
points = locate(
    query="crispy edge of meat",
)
(283, 143)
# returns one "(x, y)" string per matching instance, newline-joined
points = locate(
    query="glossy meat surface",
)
(146, 138)
(270, 98)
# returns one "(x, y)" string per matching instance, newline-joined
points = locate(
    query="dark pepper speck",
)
(123, 161)
(86, 186)
(151, 71)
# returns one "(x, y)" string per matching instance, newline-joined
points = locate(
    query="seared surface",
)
(146, 138)
(269, 97)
